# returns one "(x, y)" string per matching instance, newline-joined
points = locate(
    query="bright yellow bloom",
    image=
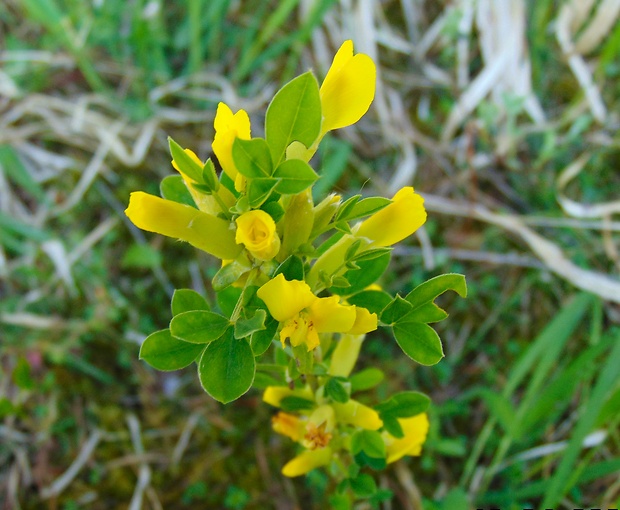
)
(364, 322)
(415, 430)
(256, 230)
(395, 222)
(227, 128)
(348, 88)
(307, 461)
(288, 425)
(204, 231)
(357, 414)
(301, 314)
(206, 203)
(345, 355)
(274, 394)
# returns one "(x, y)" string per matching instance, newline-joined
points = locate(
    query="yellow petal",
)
(415, 430)
(364, 321)
(288, 425)
(285, 298)
(348, 88)
(345, 355)
(274, 394)
(227, 128)
(329, 316)
(204, 231)
(307, 461)
(395, 222)
(294, 330)
(359, 415)
(257, 231)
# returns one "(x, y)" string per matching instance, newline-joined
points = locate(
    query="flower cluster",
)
(297, 280)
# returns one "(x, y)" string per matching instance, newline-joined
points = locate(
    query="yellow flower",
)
(395, 222)
(348, 88)
(227, 128)
(206, 203)
(307, 461)
(415, 430)
(274, 394)
(256, 230)
(301, 314)
(357, 414)
(288, 425)
(200, 229)
(345, 355)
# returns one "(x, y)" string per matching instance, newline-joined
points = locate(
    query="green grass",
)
(531, 365)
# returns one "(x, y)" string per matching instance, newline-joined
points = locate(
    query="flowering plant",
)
(297, 284)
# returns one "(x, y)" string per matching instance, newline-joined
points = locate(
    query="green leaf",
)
(293, 403)
(371, 254)
(346, 207)
(227, 299)
(274, 209)
(230, 273)
(173, 188)
(198, 326)
(164, 352)
(296, 176)
(292, 268)
(337, 390)
(186, 300)
(259, 190)
(209, 176)
(364, 207)
(374, 301)
(418, 341)
(369, 272)
(363, 485)
(294, 114)
(246, 327)
(404, 405)
(252, 157)
(366, 379)
(368, 449)
(428, 312)
(261, 340)
(185, 163)
(397, 309)
(429, 290)
(226, 368)
(393, 427)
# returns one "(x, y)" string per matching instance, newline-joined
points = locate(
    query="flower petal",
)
(257, 231)
(285, 298)
(288, 425)
(348, 88)
(204, 231)
(345, 355)
(227, 128)
(354, 413)
(274, 394)
(397, 221)
(307, 461)
(364, 321)
(329, 316)
(415, 430)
